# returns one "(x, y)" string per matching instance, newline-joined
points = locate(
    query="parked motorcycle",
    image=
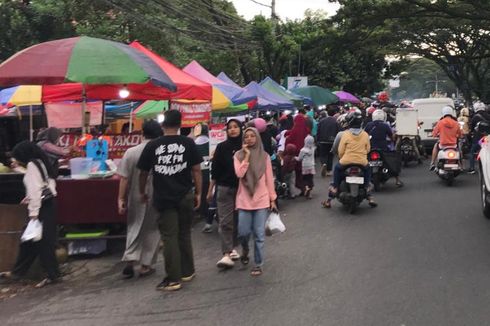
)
(448, 165)
(381, 169)
(352, 190)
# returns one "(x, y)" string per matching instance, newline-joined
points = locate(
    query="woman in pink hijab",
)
(296, 136)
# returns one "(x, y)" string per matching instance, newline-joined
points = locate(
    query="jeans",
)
(326, 156)
(338, 175)
(45, 248)
(175, 227)
(475, 147)
(249, 222)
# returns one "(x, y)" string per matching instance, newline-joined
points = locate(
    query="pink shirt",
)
(264, 192)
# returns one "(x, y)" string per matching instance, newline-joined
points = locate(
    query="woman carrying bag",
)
(41, 204)
(256, 195)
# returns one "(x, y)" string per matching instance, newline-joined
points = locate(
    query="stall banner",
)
(192, 113)
(217, 134)
(69, 115)
(119, 144)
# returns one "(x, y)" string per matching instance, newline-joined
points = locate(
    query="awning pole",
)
(31, 124)
(84, 99)
(131, 119)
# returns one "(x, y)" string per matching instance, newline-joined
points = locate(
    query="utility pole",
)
(273, 9)
(436, 82)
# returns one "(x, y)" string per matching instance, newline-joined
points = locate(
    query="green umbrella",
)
(150, 109)
(277, 89)
(319, 95)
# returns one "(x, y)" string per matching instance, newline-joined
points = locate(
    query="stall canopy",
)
(319, 95)
(21, 96)
(224, 77)
(150, 109)
(188, 87)
(245, 93)
(267, 100)
(347, 97)
(236, 94)
(273, 87)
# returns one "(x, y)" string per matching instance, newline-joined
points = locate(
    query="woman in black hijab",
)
(39, 175)
(224, 177)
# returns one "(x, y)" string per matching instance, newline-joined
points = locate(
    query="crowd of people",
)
(170, 177)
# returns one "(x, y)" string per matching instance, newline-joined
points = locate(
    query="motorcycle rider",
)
(353, 148)
(481, 114)
(448, 131)
(380, 135)
(327, 131)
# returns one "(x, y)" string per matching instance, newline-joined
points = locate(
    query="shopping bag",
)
(33, 231)
(274, 223)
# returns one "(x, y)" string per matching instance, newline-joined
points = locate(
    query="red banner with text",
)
(192, 113)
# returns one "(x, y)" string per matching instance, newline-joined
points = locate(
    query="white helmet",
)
(447, 110)
(379, 115)
(479, 106)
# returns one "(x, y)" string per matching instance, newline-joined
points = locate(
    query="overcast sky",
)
(291, 9)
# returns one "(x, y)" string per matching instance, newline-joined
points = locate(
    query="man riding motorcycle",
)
(481, 114)
(448, 131)
(380, 134)
(353, 148)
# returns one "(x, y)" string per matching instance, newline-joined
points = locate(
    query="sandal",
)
(244, 258)
(148, 271)
(332, 190)
(326, 204)
(256, 271)
(399, 184)
(372, 203)
(46, 281)
(128, 272)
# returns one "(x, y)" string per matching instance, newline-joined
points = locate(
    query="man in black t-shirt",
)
(175, 163)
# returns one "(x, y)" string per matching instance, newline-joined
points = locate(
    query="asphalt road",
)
(421, 258)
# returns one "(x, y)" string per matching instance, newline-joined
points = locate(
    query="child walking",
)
(288, 170)
(307, 158)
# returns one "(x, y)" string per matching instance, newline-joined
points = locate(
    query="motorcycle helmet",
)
(479, 106)
(341, 121)
(383, 97)
(354, 119)
(379, 115)
(447, 110)
(370, 110)
(483, 127)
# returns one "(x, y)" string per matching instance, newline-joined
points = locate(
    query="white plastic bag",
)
(33, 231)
(274, 223)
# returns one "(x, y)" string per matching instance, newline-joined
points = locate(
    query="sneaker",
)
(167, 285)
(329, 173)
(432, 167)
(208, 228)
(188, 278)
(234, 255)
(471, 171)
(225, 262)
(324, 170)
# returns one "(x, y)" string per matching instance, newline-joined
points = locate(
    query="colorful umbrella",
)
(21, 96)
(319, 95)
(347, 97)
(83, 60)
(150, 109)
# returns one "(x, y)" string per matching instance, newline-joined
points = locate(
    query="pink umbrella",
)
(347, 97)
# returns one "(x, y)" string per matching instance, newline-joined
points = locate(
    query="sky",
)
(292, 9)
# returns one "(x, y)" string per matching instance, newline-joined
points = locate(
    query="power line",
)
(261, 4)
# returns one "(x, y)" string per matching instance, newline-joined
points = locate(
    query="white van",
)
(429, 112)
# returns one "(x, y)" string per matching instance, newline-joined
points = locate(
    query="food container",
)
(80, 167)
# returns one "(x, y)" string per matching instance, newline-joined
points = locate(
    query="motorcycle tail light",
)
(451, 154)
(375, 156)
(353, 171)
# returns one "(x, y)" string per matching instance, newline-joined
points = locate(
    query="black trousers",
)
(45, 248)
(326, 157)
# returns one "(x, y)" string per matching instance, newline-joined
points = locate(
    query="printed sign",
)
(69, 115)
(192, 113)
(217, 134)
(296, 82)
(118, 144)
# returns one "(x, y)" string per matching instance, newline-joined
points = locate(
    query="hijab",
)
(256, 168)
(234, 142)
(27, 151)
(51, 135)
(299, 132)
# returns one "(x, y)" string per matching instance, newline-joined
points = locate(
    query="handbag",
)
(46, 193)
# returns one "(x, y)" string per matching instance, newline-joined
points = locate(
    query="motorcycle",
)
(380, 169)
(408, 151)
(352, 190)
(448, 165)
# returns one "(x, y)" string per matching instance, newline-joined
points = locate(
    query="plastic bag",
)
(33, 231)
(274, 223)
